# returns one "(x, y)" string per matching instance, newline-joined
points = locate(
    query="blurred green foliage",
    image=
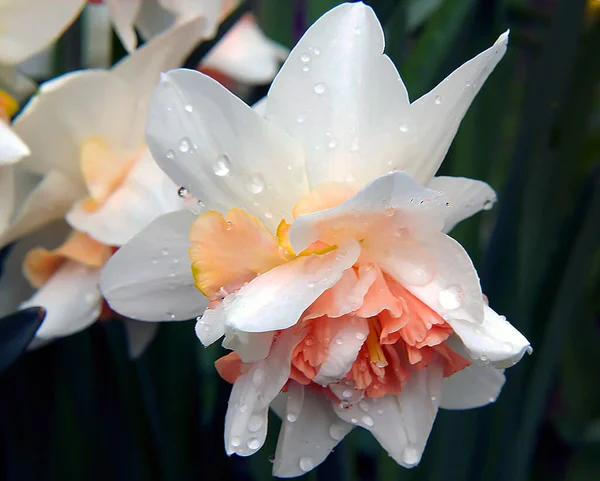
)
(78, 409)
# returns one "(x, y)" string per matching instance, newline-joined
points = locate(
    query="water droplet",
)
(243, 408)
(258, 377)
(360, 336)
(434, 398)
(368, 420)
(154, 261)
(390, 211)
(317, 51)
(253, 443)
(403, 127)
(438, 99)
(337, 431)
(292, 417)
(184, 145)
(305, 68)
(170, 154)
(468, 84)
(332, 144)
(353, 420)
(300, 119)
(236, 441)
(410, 455)
(309, 341)
(451, 298)
(380, 411)
(170, 315)
(164, 252)
(338, 341)
(488, 204)
(347, 394)
(306, 464)
(188, 108)
(222, 166)
(183, 193)
(268, 215)
(320, 88)
(484, 359)
(256, 184)
(305, 58)
(364, 405)
(255, 423)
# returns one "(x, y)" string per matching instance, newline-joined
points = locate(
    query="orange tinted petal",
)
(230, 251)
(325, 196)
(283, 236)
(40, 263)
(229, 367)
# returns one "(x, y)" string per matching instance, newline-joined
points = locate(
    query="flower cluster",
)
(309, 232)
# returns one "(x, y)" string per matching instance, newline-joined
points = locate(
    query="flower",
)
(86, 134)
(330, 275)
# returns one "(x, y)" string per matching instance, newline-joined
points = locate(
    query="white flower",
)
(362, 309)
(86, 135)
(27, 26)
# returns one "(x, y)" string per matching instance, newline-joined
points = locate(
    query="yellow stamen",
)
(375, 351)
(8, 105)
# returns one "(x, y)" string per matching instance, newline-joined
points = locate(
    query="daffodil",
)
(323, 256)
(86, 135)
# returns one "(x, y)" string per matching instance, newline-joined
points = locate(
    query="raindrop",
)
(380, 411)
(390, 211)
(258, 377)
(256, 183)
(353, 420)
(164, 252)
(468, 84)
(337, 431)
(317, 51)
(300, 119)
(434, 398)
(305, 58)
(154, 261)
(306, 464)
(360, 336)
(368, 420)
(236, 441)
(410, 455)
(170, 154)
(183, 193)
(255, 423)
(268, 215)
(438, 99)
(403, 128)
(253, 443)
(188, 108)
(347, 394)
(338, 341)
(290, 167)
(364, 405)
(222, 166)
(309, 341)
(291, 417)
(451, 298)
(332, 144)
(243, 408)
(170, 315)
(305, 68)
(184, 145)
(320, 88)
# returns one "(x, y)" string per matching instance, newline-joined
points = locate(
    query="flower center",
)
(8, 106)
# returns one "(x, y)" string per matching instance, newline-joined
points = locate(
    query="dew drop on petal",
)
(368, 420)
(188, 108)
(353, 420)
(305, 58)
(291, 417)
(338, 341)
(306, 464)
(332, 144)
(347, 394)
(364, 405)
(451, 298)
(256, 183)
(183, 193)
(300, 119)
(170, 315)
(305, 68)
(317, 51)
(170, 154)
(184, 145)
(222, 166)
(268, 215)
(337, 431)
(255, 423)
(488, 204)
(236, 441)
(164, 252)
(253, 443)
(360, 336)
(403, 127)
(320, 88)
(410, 455)
(438, 99)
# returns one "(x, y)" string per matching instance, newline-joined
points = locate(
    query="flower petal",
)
(139, 336)
(12, 148)
(363, 213)
(341, 98)
(222, 151)
(435, 117)
(307, 437)
(250, 346)
(475, 386)
(123, 14)
(7, 190)
(246, 54)
(495, 340)
(465, 198)
(28, 27)
(49, 201)
(149, 278)
(276, 299)
(71, 298)
(252, 393)
(71, 109)
(145, 194)
(401, 423)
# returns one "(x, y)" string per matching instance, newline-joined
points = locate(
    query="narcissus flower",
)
(324, 261)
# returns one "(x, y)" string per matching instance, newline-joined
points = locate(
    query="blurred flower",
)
(362, 311)
(86, 135)
(26, 27)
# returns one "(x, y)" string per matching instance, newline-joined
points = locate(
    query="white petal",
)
(401, 423)
(149, 278)
(276, 299)
(435, 117)
(308, 436)
(49, 201)
(222, 151)
(73, 108)
(211, 326)
(475, 386)
(71, 298)
(343, 351)
(341, 98)
(250, 346)
(97, 36)
(495, 340)
(12, 148)
(260, 107)
(361, 215)
(153, 19)
(145, 194)
(139, 336)
(253, 391)
(26, 27)
(440, 273)
(246, 54)
(123, 14)
(465, 198)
